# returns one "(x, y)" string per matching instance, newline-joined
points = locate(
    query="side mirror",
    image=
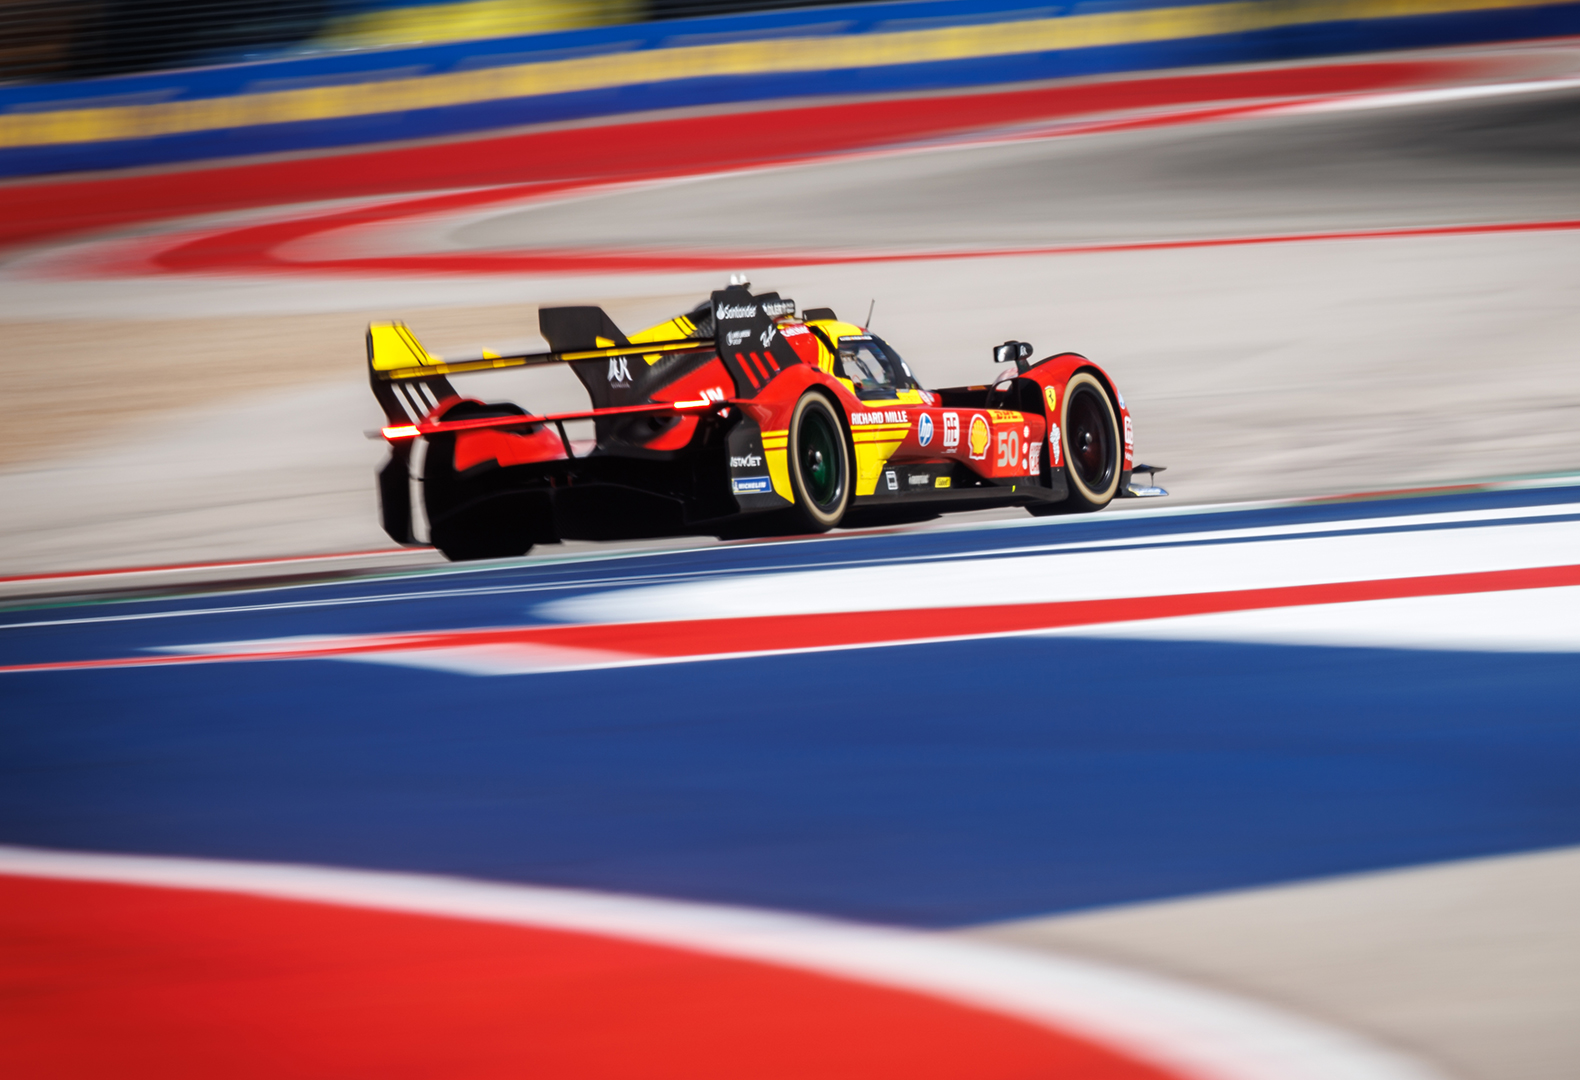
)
(1016, 352)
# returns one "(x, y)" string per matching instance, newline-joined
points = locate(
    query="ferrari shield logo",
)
(980, 436)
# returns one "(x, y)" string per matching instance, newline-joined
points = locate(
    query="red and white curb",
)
(1183, 1030)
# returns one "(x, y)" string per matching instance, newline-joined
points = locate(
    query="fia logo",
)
(924, 430)
(619, 371)
(951, 430)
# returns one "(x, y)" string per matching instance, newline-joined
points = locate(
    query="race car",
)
(740, 418)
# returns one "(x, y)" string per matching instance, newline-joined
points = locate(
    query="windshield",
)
(873, 367)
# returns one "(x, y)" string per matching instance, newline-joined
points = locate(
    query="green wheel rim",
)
(820, 469)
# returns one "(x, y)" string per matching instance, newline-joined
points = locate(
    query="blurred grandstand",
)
(64, 39)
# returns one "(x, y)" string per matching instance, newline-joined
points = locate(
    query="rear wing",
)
(409, 381)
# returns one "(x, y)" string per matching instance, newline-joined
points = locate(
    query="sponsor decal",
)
(1120, 396)
(767, 336)
(1036, 459)
(746, 461)
(1008, 449)
(751, 485)
(619, 371)
(924, 429)
(1005, 416)
(928, 396)
(1051, 396)
(794, 330)
(951, 430)
(980, 436)
(1130, 432)
(917, 479)
(735, 311)
(735, 337)
(713, 393)
(1025, 448)
(1055, 445)
(942, 482)
(892, 480)
(890, 416)
(776, 308)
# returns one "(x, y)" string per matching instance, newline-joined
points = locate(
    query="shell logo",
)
(980, 436)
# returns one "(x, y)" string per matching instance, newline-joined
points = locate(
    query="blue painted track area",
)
(936, 784)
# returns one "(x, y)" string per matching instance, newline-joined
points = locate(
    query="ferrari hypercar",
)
(740, 418)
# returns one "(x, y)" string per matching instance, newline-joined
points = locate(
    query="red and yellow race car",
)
(741, 418)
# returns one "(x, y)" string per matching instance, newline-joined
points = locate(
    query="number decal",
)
(1008, 449)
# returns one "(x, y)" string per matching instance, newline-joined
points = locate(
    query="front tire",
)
(1089, 429)
(819, 464)
(1089, 443)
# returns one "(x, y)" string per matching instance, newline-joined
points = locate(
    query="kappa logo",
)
(981, 437)
(924, 430)
(951, 430)
(619, 371)
(736, 311)
(735, 337)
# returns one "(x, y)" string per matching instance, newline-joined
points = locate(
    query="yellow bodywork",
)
(776, 452)
(874, 445)
(393, 346)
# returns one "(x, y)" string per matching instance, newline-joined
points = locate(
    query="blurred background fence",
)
(58, 39)
(96, 84)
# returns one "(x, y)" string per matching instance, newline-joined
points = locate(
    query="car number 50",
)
(1008, 449)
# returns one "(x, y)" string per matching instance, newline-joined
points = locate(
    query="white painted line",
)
(1097, 575)
(1201, 1034)
(1522, 620)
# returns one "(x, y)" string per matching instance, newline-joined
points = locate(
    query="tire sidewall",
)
(1080, 493)
(814, 518)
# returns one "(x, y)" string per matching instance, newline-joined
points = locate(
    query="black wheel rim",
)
(820, 460)
(1090, 438)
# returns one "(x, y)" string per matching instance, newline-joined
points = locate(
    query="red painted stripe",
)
(283, 560)
(577, 262)
(831, 630)
(130, 981)
(35, 211)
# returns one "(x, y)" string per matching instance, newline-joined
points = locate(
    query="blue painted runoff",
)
(935, 785)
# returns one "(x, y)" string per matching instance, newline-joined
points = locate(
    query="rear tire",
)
(492, 529)
(1089, 446)
(819, 464)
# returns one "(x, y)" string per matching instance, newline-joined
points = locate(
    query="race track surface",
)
(1236, 785)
